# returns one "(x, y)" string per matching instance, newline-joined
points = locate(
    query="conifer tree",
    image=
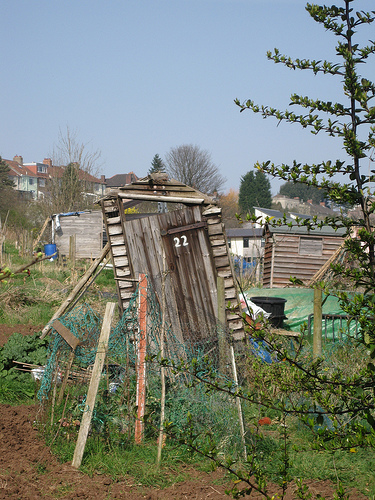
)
(157, 165)
(255, 191)
(5, 180)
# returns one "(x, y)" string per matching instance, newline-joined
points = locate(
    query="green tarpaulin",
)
(300, 304)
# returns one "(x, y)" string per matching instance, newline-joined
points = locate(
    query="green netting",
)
(116, 404)
(300, 305)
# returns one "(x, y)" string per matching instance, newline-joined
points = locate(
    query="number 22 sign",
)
(178, 242)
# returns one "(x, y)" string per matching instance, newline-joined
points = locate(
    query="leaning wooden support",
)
(73, 294)
(94, 385)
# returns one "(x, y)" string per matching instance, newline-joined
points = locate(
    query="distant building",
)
(246, 242)
(31, 179)
(119, 180)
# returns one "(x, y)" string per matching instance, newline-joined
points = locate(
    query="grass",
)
(13, 392)
(33, 299)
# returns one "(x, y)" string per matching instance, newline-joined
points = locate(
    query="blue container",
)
(50, 250)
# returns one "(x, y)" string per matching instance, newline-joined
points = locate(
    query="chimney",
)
(48, 162)
(322, 204)
(18, 159)
(102, 179)
(309, 202)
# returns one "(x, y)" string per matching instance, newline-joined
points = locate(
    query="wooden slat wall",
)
(114, 218)
(288, 262)
(191, 290)
(88, 229)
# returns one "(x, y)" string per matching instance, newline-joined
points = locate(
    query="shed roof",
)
(157, 187)
(242, 232)
(304, 230)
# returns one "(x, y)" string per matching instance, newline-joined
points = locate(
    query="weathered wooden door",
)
(191, 293)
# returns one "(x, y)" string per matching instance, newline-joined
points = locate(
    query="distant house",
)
(27, 181)
(264, 214)
(119, 180)
(92, 186)
(246, 242)
(31, 179)
(295, 251)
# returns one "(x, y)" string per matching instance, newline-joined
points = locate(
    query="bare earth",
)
(29, 471)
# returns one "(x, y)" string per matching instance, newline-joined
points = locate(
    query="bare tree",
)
(69, 150)
(72, 176)
(193, 166)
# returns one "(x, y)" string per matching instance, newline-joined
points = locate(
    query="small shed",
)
(295, 251)
(192, 239)
(86, 226)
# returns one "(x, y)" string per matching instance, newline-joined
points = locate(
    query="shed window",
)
(246, 242)
(310, 246)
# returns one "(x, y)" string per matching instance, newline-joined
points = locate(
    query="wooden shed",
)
(190, 235)
(295, 251)
(87, 227)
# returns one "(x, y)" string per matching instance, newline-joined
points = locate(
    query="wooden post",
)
(94, 385)
(41, 233)
(141, 359)
(317, 333)
(66, 376)
(73, 294)
(238, 402)
(72, 248)
(162, 369)
(221, 316)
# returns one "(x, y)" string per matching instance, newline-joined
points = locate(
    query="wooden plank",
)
(94, 385)
(214, 229)
(66, 334)
(219, 251)
(221, 261)
(167, 199)
(118, 250)
(117, 239)
(121, 261)
(73, 294)
(113, 220)
(112, 230)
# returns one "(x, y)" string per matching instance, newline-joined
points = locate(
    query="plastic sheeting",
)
(300, 304)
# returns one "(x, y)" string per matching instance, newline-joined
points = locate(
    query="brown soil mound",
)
(7, 331)
(29, 471)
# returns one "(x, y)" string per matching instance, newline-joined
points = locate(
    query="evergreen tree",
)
(157, 165)
(5, 180)
(255, 191)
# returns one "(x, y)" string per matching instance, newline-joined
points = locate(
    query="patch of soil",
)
(29, 471)
(7, 331)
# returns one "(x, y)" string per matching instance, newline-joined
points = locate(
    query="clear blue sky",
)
(137, 77)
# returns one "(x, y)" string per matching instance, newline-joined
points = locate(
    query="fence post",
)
(317, 332)
(141, 361)
(72, 248)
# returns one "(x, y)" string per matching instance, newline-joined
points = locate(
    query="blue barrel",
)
(50, 250)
